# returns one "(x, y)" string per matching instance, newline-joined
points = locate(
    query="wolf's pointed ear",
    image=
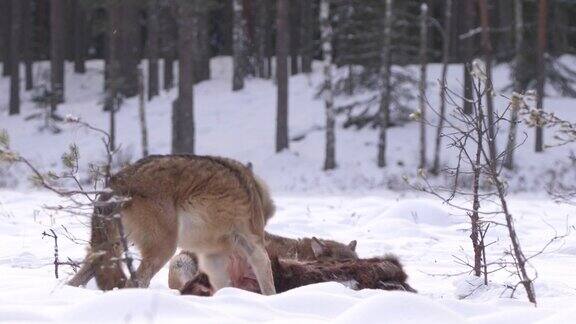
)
(249, 166)
(352, 245)
(317, 247)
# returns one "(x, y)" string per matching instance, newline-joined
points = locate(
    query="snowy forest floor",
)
(356, 201)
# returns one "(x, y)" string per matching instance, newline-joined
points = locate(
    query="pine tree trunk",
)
(282, 41)
(561, 19)
(350, 80)
(423, 80)
(5, 26)
(15, 37)
(487, 51)
(518, 46)
(270, 50)
(249, 49)
(42, 35)
(183, 106)
(505, 14)
(80, 35)
(326, 31)
(260, 37)
(69, 25)
(469, 23)
(239, 46)
(445, 58)
(202, 51)
(306, 35)
(168, 40)
(57, 47)
(542, 47)
(385, 95)
(294, 26)
(129, 55)
(153, 48)
(168, 73)
(27, 37)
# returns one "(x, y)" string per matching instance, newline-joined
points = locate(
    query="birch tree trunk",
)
(518, 46)
(487, 50)
(445, 57)
(423, 78)
(469, 23)
(385, 95)
(326, 32)
(239, 46)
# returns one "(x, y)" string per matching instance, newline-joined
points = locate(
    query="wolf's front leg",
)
(154, 257)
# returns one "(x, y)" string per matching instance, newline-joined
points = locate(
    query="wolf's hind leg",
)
(257, 256)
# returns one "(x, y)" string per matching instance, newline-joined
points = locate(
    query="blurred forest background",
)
(270, 39)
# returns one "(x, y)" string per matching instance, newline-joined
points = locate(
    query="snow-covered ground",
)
(423, 233)
(356, 201)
